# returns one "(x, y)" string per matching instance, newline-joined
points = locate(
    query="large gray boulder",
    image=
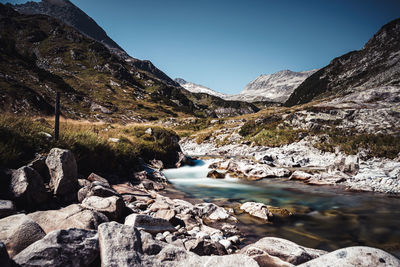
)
(19, 231)
(64, 248)
(149, 224)
(283, 249)
(7, 208)
(4, 258)
(63, 171)
(113, 207)
(27, 188)
(355, 256)
(120, 245)
(72, 216)
(98, 189)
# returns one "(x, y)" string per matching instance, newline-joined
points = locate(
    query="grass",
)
(22, 137)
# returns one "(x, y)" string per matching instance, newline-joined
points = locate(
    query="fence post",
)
(57, 118)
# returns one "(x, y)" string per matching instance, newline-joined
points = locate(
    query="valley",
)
(298, 169)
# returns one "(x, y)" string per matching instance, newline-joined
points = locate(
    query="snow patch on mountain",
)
(197, 88)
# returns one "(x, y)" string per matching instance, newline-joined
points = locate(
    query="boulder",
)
(355, 256)
(63, 171)
(19, 231)
(4, 258)
(7, 208)
(215, 174)
(165, 214)
(120, 245)
(113, 207)
(300, 175)
(229, 261)
(258, 210)
(98, 189)
(283, 249)
(211, 212)
(39, 165)
(157, 164)
(206, 247)
(348, 165)
(72, 247)
(72, 216)
(27, 188)
(97, 178)
(149, 224)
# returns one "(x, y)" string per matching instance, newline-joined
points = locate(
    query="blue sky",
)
(224, 44)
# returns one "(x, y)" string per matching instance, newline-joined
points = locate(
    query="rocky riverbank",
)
(299, 161)
(49, 217)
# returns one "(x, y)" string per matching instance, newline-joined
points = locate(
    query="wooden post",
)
(57, 118)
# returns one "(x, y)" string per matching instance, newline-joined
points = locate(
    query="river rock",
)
(354, 256)
(19, 231)
(165, 214)
(120, 245)
(157, 164)
(7, 208)
(4, 258)
(63, 171)
(39, 165)
(27, 188)
(258, 210)
(206, 248)
(113, 207)
(98, 189)
(211, 211)
(349, 165)
(72, 247)
(215, 174)
(300, 175)
(97, 178)
(149, 224)
(72, 216)
(284, 249)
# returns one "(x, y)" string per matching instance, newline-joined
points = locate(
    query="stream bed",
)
(325, 217)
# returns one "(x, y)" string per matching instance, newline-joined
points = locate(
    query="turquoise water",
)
(325, 217)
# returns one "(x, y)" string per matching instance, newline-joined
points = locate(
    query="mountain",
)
(275, 87)
(197, 88)
(376, 64)
(40, 55)
(72, 15)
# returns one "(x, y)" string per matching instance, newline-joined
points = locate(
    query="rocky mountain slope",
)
(197, 88)
(41, 55)
(276, 87)
(72, 15)
(376, 64)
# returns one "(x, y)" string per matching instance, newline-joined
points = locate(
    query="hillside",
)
(41, 55)
(376, 64)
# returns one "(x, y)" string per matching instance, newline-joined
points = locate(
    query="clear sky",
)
(224, 44)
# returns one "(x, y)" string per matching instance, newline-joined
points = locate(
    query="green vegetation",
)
(22, 137)
(377, 145)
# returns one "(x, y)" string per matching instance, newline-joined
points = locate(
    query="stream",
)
(325, 217)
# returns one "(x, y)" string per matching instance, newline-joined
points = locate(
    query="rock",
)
(72, 247)
(226, 243)
(7, 208)
(72, 216)
(355, 256)
(283, 249)
(229, 261)
(63, 171)
(96, 189)
(215, 174)
(39, 165)
(211, 211)
(114, 140)
(300, 175)
(19, 231)
(157, 164)
(170, 238)
(204, 247)
(183, 160)
(165, 214)
(120, 245)
(149, 131)
(149, 224)
(4, 258)
(349, 165)
(258, 210)
(27, 188)
(97, 178)
(113, 207)
(83, 182)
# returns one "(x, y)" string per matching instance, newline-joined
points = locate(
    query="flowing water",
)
(325, 217)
